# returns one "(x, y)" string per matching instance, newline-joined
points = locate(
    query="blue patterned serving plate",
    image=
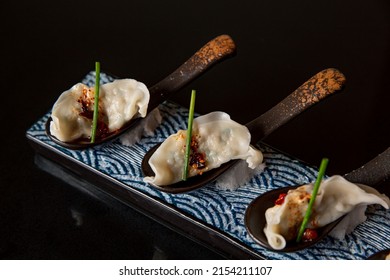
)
(213, 216)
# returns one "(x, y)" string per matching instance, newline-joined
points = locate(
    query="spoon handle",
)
(311, 92)
(213, 52)
(373, 172)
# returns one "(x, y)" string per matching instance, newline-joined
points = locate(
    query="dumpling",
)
(216, 139)
(335, 198)
(119, 102)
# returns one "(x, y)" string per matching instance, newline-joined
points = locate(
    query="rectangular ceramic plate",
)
(210, 215)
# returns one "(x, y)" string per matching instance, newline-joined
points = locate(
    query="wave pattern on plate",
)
(223, 210)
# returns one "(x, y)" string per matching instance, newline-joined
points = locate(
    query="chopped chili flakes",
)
(309, 234)
(86, 103)
(280, 199)
(197, 159)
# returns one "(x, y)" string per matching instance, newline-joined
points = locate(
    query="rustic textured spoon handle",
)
(213, 52)
(317, 88)
(373, 172)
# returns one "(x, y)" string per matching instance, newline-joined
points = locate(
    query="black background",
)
(48, 46)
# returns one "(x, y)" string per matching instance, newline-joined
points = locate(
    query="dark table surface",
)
(48, 46)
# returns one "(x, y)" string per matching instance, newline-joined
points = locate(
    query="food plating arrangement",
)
(211, 175)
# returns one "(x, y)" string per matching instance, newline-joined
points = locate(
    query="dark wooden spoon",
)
(373, 172)
(318, 87)
(381, 255)
(210, 54)
(255, 214)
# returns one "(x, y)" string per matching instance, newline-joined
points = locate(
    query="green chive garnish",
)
(189, 135)
(96, 104)
(321, 173)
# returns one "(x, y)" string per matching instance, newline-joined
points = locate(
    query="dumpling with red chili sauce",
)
(336, 197)
(119, 102)
(216, 139)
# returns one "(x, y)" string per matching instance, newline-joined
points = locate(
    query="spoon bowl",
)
(317, 88)
(371, 173)
(255, 222)
(191, 183)
(213, 52)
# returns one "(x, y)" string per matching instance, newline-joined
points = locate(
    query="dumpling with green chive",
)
(336, 197)
(216, 139)
(119, 102)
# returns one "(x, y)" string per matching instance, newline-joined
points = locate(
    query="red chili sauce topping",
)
(309, 234)
(197, 159)
(102, 130)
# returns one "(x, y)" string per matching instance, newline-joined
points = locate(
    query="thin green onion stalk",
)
(189, 135)
(321, 173)
(96, 104)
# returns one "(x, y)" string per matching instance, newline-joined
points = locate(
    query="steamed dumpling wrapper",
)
(216, 139)
(336, 197)
(119, 102)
